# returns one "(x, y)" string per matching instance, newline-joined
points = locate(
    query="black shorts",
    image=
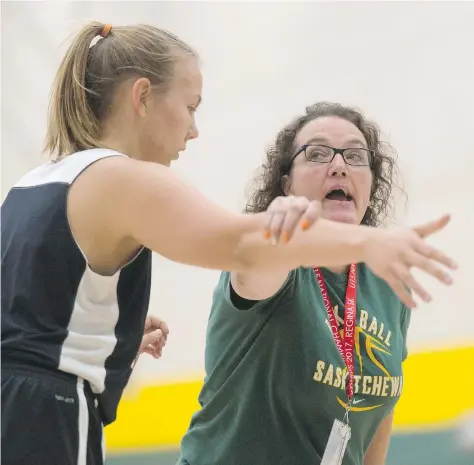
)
(49, 418)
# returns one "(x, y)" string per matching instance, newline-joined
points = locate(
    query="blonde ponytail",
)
(88, 76)
(72, 126)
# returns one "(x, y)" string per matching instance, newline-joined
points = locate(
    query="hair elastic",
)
(106, 30)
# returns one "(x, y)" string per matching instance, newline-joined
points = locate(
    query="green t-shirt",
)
(275, 380)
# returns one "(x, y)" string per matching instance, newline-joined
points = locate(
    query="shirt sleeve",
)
(284, 294)
(405, 323)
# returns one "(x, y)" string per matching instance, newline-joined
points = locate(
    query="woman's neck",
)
(339, 269)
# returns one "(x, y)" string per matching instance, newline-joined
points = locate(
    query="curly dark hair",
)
(268, 183)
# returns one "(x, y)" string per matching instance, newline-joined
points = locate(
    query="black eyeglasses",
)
(326, 154)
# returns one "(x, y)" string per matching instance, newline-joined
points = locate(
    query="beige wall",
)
(408, 65)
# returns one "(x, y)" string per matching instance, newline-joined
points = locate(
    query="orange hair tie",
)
(106, 30)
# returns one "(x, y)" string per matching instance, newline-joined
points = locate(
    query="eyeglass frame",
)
(335, 152)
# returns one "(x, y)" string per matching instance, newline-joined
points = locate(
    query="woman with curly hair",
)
(305, 367)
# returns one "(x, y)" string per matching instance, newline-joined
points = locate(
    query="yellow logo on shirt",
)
(375, 339)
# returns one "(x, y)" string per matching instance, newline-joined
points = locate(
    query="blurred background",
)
(407, 65)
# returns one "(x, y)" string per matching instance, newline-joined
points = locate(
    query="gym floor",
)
(438, 448)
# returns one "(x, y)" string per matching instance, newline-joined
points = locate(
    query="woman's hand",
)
(288, 213)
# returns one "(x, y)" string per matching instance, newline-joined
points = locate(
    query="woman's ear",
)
(285, 184)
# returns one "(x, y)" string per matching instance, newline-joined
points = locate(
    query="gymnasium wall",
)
(407, 65)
